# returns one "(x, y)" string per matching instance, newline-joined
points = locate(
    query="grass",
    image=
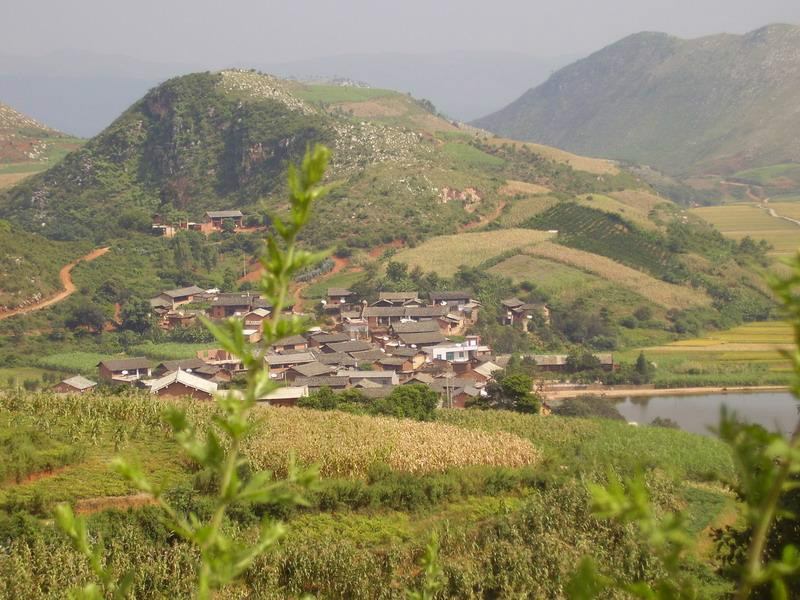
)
(639, 199)
(551, 277)
(72, 362)
(331, 94)
(513, 187)
(342, 279)
(444, 254)
(740, 220)
(598, 166)
(169, 350)
(666, 294)
(20, 374)
(465, 155)
(768, 175)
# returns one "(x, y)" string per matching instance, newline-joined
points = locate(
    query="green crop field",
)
(549, 276)
(73, 362)
(468, 156)
(612, 205)
(169, 350)
(598, 232)
(332, 94)
(444, 254)
(345, 279)
(740, 220)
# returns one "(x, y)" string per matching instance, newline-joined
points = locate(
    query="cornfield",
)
(345, 445)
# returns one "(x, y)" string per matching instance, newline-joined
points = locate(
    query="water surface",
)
(776, 411)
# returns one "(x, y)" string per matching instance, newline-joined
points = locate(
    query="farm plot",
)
(666, 294)
(739, 220)
(445, 253)
(513, 187)
(639, 199)
(606, 234)
(520, 211)
(612, 205)
(345, 445)
(554, 278)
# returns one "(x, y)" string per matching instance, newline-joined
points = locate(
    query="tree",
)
(643, 368)
(396, 271)
(86, 314)
(136, 316)
(228, 226)
(510, 392)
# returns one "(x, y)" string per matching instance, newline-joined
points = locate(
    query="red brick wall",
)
(179, 390)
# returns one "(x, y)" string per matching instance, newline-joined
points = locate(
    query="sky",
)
(225, 33)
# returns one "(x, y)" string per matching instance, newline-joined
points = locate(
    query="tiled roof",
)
(184, 291)
(312, 369)
(416, 327)
(422, 338)
(350, 346)
(184, 378)
(224, 214)
(456, 295)
(280, 360)
(329, 381)
(79, 382)
(126, 364)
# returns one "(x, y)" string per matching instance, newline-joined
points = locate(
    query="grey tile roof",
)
(126, 364)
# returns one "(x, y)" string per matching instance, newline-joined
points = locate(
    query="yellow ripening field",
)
(739, 220)
(666, 294)
(786, 209)
(9, 179)
(549, 276)
(612, 205)
(520, 211)
(513, 187)
(445, 253)
(346, 445)
(639, 199)
(753, 340)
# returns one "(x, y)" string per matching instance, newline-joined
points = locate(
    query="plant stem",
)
(766, 514)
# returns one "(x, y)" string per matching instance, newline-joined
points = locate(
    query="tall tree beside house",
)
(510, 391)
(136, 315)
(85, 313)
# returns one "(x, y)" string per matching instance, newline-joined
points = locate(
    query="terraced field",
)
(739, 220)
(552, 277)
(445, 253)
(606, 234)
(666, 294)
(639, 199)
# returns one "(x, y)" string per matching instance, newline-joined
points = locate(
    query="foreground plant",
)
(767, 465)
(218, 448)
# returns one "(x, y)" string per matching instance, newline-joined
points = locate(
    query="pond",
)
(776, 411)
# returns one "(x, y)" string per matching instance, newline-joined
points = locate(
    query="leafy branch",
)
(218, 448)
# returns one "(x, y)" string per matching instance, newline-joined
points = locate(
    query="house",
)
(422, 340)
(254, 318)
(452, 300)
(419, 379)
(398, 299)
(452, 324)
(336, 359)
(74, 385)
(221, 358)
(321, 338)
(228, 305)
(339, 297)
(379, 377)
(429, 326)
(398, 364)
(378, 391)
(279, 363)
(175, 319)
(335, 382)
(348, 347)
(213, 373)
(187, 364)
(483, 372)
(180, 296)
(124, 369)
(519, 312)
(355, 327)
(382, 316)
(368, 356)
(182, 384)
(292, 343)
(455, 392)
(424, 313)
(462, 352)
(311, 369)
(416, 355)
(213, 220)
(285, 396)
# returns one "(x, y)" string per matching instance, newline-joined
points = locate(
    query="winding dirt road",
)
(66, 280)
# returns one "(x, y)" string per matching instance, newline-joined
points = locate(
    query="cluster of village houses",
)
(400, 339)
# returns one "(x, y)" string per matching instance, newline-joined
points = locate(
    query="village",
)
(399, 339)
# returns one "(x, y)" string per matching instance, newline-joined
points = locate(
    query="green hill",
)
(223, 140)
(715, 104)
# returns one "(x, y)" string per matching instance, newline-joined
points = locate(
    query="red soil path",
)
(66, 280)
(487, 219)
(93, 505)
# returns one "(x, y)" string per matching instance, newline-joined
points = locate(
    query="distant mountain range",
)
(715, 104)
(82, 93)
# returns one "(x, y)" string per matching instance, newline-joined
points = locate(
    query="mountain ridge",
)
(684, 106)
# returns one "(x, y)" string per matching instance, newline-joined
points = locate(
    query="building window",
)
(450, 356)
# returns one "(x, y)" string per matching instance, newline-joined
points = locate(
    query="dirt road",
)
(65, 275)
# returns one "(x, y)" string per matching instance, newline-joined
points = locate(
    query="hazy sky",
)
(224, 32)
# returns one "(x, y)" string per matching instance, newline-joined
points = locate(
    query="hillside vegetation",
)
(720, 103)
